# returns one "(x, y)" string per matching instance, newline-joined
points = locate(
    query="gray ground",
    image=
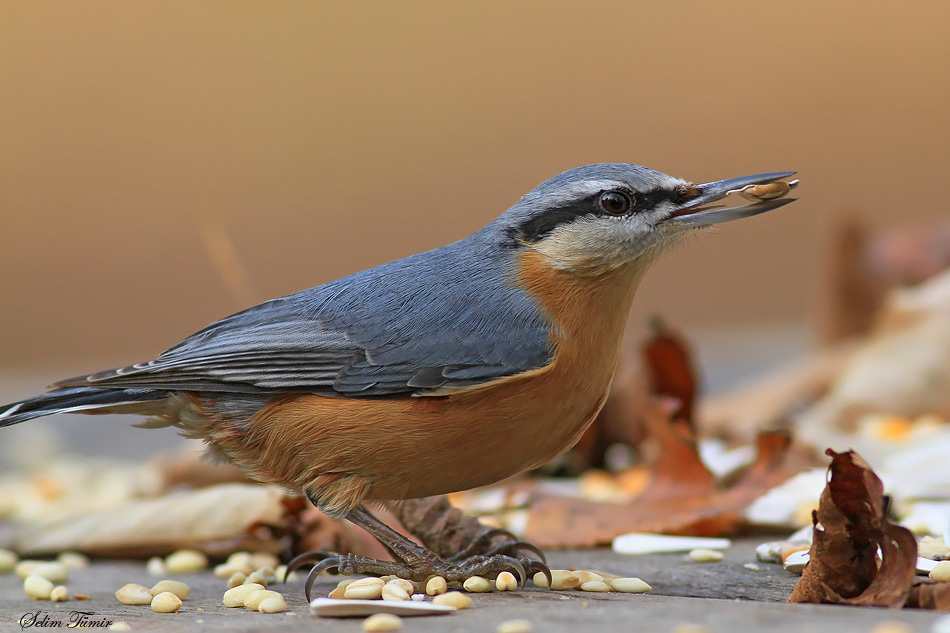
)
(725, 596)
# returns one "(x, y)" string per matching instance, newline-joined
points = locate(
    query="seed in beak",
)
(768, 191)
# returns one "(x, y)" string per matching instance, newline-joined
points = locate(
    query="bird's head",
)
(600, 217)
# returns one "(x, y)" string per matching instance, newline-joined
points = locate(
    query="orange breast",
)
(345, 450)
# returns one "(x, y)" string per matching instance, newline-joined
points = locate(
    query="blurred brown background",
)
(140, 141)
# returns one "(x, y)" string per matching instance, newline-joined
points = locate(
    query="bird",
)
(443, 371)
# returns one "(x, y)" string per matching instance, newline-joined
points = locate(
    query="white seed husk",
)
(178, 588)
(436, 585)
(166, 602)
(629, 585)
(364, 589)
(254, 600)
(394, 592)
(235, 596)
(59, 594)
(455, 599)
(477, 584)
(515, 626)
(38, 587)
(506, 581)
(155, 566)
(185, 561)
(382, 622)
(133, 593)
(407, 586)
(706, 556)
(272, 604)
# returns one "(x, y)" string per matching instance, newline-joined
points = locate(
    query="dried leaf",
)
(929, 594)
(438, 525)
(850, 525)
(681, 497)
(670, 369)
(218, 520)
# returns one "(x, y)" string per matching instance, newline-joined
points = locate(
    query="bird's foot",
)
(419, 568)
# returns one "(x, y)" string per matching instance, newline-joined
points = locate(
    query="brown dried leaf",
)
(670, 369)
(681, 497)
(850, 525)
(929, 594)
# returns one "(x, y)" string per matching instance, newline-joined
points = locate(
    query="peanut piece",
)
(235, 596)
(166, 602)
(629, 585)
(134, 594)
(272, 604)
(595, 585)
(561, 579)
(477, 584)
(436, 585)
(706, 556)
(236, 579)
(8, 561)
(506, 581)
(382, 622)
(364, 589)
(59, 594)
(515, 626)
(73, 560)
(393, 591)
(254, 600)
(38, 587)
(186, 560)
(941, 571)
(337, 592)
(180, 589)
(455, 599)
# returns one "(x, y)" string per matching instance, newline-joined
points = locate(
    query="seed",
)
(506, 581)
(382, 622)
(394, 592)
(595, 585)
(629, 585)
(259, 578)
(280, 572)
(407, 586)
(155, 566)
(477, 584)
(767, 191)
(436, 585)
(455, 599)
(59, 594)
(186, 560)
(180, 589)
(8, 561)
(418, 597)
(941, 571)
(134, 594)
(894, 626)
(119, 626)
(73, 560)
(38, 587)
(54, 572)
(364, 589)
(338, 590)
(588, 576)
(25, 567)
(263, 559)
(236, 579)
(235, 596)
(706, 556)
(254, 600)
(272, 604)
(82, 596)
(515, 626)
(561, 579)
(166, 602)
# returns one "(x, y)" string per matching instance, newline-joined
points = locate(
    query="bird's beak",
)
(767, 192)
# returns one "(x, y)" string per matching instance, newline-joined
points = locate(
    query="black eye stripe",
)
(539, 226)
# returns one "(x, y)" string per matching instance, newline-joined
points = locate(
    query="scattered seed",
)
(134, 594)
(891, 626)
(418, 597)
(59, 594)
(226, 570)
(53, 572)
(25, 567)
(515, 626)
(588, 576)
(119, 626)
(166, 602)
(506, 581)
(8, 561)
(752, 567)
(688, 627)
(281, 573)
(941, 571)
(562, 579)
(436, 585)
(796, 562)
(477, 584)
(180, 589)
(392, 591)
(259, 578)
(254, 600)
(455, 599)
(73, 560)
(155, 566)
(629, 585)
(263, 559)
(186, 560)
(81, 596)
(382, 622)
(337, 593)
(706, 556)
(595, 585)
(235, 596)
(364, 589)
(236, 579)
(272, 604)
(38, 587)
(407, 586)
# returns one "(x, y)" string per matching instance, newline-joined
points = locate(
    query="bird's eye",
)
(615, 202)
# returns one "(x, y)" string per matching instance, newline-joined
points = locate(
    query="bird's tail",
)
(81, 400)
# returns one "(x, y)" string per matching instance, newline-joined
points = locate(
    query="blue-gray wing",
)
(442, 319)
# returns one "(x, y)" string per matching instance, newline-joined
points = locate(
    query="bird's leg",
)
(413, 561)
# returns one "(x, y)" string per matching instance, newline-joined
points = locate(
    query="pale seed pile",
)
(42, 580)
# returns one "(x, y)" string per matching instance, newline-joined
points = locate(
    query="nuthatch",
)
(443, 371)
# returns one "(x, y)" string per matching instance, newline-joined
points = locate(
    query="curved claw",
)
(302, 559)
(515, 547)
(327, 563)
(482, 541)
(516, 565)
(535, 566)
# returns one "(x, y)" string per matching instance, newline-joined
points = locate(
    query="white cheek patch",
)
(598, 243)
